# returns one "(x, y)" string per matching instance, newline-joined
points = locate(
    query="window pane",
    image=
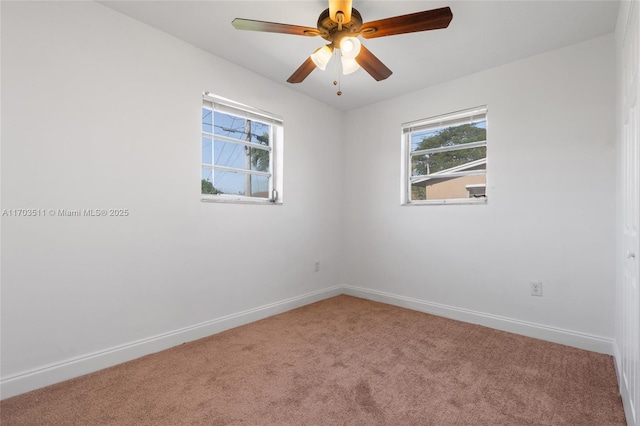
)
(260, 186)
(449, 136)
(242, 129)
(473, 186)
(206, 150)
(241, 184)
(238, 156)
(207, 181)
(259, 159)
(457, 160)
(228, 154)
(228, 125)
(260, 133)
(206, 120)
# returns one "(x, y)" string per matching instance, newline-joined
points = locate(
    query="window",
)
(445, 159)
(241, 153)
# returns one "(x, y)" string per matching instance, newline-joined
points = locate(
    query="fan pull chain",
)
(337, 82)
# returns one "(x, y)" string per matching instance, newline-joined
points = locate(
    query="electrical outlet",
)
(317, 267)
(536, 288)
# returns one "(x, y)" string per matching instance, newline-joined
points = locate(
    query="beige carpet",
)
(342, 361)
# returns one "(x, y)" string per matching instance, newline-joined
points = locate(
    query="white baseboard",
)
(538, 331)
(58, 372)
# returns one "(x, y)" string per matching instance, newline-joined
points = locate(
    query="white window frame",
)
(467, 116)
(276, 139)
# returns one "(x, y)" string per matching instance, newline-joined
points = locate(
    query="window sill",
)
(456, 201)
(238, 200)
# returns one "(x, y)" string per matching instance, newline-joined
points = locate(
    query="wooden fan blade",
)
(343, 6)
(421, 21)
(371, 64)
(302, 72)
(273, 27)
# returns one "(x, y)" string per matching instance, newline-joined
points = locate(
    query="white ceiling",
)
(482, 35)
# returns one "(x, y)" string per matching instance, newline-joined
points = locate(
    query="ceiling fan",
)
(340, 25)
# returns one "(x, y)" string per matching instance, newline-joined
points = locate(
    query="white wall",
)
(100, 111)
(551, 202)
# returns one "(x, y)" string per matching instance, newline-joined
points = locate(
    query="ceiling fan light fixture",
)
(349, 65)
(322, 56)
(350, 47)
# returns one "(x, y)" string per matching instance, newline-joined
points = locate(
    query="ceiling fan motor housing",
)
(329, 29)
